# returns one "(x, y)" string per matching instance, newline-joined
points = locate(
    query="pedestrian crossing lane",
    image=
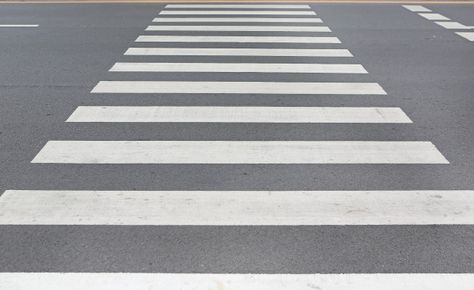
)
(250, 208)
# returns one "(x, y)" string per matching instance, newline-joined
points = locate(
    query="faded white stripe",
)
(433, 16)
(183, 87)
(237, 28)
(234, 12)
(321, 52)
(236, 208)
(453, 25)
(467, 35)
(237, 19)
(240, 152)
(158, 281)
(239, 67)
(258, 39)
(239, 114)
(416, 8)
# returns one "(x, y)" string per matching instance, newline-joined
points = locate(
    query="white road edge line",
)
(240, 152)
(151, 114)
(171, 281)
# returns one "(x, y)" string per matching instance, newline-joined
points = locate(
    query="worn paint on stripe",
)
(237, 28)
(241, 39)
(250, 6)
(453, 25)
(236, 208)
(235, 12)
(238, 19)
(239, 67)
(433, 16)
(240, 152)
(288, 88)
(467, 35)
(239, 114)
(170, 281)
(416, 8)
(321, 52)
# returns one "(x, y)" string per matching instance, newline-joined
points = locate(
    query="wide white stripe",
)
(416, 8)
(326, 68)
(316, 52)
(433, 16)
(237, 28)
(453, 25)
(240, 152)
(18, 25)
(236, 19)
(183, 87)
(467, 35)
(236, 208)
(234, 12)
(169, 281)
(244, 39)
(269, 6)
(239, 114)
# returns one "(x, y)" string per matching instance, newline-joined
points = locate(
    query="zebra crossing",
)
(276, 27)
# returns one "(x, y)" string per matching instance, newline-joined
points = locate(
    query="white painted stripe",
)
(183, 87)
(321, 52)
(326, 68)
(236, 208)
(239, 114)
(416, 8)
(236, 19)
(18, 25)
(255, 6)
(237, 28)
(245, 39)
(240, 152)
(453, 25)
(433, 16)
(467, 35)
(171, 281)
(235, 12)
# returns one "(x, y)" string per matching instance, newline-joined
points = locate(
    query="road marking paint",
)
(326, 68)
(416, 8)
(184, 87)
(237, 28)
(240, 152)
(209, 114)
(171, 281)
(237, 19)
(321, 52)
(269, 6)
(467, 35)
(237, 208)
(433, 16)
(235, 12)
(241, 39)
(18, 25)
(453, 25)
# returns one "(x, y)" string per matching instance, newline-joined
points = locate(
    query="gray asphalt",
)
(45, 73)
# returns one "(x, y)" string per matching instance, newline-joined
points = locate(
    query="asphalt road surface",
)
(299, 142)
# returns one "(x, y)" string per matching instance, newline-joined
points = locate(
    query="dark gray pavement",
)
(46, 72)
